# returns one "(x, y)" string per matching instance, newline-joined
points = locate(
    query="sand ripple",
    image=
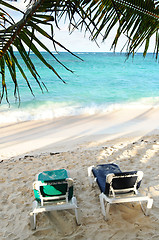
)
(127, 221)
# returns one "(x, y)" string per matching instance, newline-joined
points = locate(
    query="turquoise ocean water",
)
(102, 82)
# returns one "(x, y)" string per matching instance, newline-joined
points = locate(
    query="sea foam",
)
(50, 110)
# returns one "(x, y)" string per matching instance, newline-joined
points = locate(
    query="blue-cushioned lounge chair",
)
(117, 186)
(53, 190)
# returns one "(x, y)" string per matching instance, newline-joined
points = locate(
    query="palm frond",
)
(22, 34)
(138, 21)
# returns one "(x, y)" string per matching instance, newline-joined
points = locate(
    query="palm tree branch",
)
(16, 29)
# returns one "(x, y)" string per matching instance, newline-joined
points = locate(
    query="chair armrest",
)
(70, 182)
(91, 178)
(140, 175)
(38, 184)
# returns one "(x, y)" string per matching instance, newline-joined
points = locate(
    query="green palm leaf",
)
(138, 20)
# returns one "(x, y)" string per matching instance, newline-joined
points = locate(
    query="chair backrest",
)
(57, 188)
(123, 182)
(60, 189)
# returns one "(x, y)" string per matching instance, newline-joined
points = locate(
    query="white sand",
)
(126, 137)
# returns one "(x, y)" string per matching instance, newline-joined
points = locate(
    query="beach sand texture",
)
(129, 140)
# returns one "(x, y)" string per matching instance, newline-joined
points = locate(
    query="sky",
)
(77, 41)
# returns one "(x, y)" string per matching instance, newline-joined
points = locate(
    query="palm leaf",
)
(14, 59)
(138, 20)
(19, 34)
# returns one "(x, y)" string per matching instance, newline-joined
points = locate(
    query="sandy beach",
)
(127, 137)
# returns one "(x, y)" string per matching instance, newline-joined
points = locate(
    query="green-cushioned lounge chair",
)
(53, 190)
(117, 186)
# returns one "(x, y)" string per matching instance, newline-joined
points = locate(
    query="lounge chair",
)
(117, 186)
(53, 190)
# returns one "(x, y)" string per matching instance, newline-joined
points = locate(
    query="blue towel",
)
(101, 171)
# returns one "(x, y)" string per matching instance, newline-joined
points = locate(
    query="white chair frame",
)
(53, 203)
(120, 195)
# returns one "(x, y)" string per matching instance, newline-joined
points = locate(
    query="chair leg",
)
(107, 211)
(77, 211)
(102, 205)
(33, 216)
(78, 216)
(33, 221)
(148, 207)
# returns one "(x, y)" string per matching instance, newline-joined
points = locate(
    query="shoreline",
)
(36, 136)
